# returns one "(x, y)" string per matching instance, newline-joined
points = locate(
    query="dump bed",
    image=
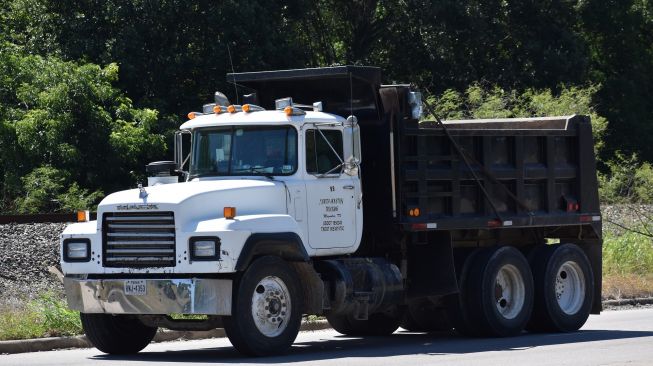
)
(519, 172)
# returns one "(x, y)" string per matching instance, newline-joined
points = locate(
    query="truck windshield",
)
(244, 150)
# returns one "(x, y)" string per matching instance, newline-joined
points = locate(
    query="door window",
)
(320, 155)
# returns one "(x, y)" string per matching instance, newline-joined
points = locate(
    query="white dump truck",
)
(272, 210)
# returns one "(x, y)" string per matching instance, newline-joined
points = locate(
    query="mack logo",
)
(148, 206)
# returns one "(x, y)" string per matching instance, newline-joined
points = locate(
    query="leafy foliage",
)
(627, 180)
(59, 109)
(68, 133)
(494, 102)
(46, 316)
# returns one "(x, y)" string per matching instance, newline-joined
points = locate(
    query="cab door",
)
(330, 195)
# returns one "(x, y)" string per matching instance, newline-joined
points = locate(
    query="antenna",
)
(351, 112)
(233, 77)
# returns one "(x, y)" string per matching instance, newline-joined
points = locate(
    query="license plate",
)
(135, 287)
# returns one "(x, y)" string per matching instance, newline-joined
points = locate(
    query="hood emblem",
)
(143, 192)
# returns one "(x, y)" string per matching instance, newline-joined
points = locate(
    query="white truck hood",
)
(201, 200)
(177, 193)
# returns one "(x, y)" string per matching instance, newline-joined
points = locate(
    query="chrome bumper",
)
(180, 296)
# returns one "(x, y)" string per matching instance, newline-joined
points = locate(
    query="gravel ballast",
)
(26, 252)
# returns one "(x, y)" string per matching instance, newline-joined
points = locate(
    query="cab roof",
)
(267, 117)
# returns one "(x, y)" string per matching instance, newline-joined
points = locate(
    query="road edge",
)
(54, 343)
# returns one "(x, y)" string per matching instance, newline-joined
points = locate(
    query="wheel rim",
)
(271, 306)
(570, 287)
(509, 291)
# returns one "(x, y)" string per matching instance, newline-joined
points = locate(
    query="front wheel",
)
(267, 309)
(116, 334)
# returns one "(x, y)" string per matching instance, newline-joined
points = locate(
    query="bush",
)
(627, 253)
(47, 189)
(47, 316)
(493, 102)
(58, 319)
(627, 180)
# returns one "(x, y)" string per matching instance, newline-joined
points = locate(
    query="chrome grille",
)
(138, 239)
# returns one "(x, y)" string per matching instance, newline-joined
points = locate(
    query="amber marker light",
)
(288, 111)
(217, 109)
(229, 213)
(246, 108)
(191, 115)
(231, 109)
(82, 216)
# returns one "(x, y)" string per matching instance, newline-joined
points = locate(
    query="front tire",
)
(564, 285)
(116, 334)
(267, 308)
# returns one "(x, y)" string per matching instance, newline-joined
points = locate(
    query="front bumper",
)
(160, 296)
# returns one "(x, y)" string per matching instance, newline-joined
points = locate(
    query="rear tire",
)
(116, 334)
(377, 324)
(267, 308)
(564, 285)
(499, 292)
(455, 304)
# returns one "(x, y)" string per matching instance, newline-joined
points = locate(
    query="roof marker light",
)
(231, 109)
(192, 115)
(218, 109)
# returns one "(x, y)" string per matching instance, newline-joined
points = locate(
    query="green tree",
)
(66, 122)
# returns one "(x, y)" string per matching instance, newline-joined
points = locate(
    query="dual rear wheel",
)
(502, 293)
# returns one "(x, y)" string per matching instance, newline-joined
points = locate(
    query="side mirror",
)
(350, 167)
(180, 159)
(352, 146)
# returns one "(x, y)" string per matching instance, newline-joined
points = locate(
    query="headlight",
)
(76, 250)
(204, 248)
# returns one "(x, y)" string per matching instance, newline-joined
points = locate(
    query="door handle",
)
(348, 187)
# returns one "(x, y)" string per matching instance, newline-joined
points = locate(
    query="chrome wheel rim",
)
(271, 306)
(570, 287)
(509, 291)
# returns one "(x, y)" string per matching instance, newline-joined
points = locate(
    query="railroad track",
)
(41, 218)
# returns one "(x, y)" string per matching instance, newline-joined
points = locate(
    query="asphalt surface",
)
(612, 338)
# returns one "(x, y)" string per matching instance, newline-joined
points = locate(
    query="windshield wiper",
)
(258, 170)
(262, 172)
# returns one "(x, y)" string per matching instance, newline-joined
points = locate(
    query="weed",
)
(58, 319)
(627, 253)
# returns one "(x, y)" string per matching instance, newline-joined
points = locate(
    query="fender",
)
(287, 245)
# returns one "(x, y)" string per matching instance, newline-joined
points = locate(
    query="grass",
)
(47, 316)
(627, 265)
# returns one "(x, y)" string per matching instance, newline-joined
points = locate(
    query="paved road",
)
(613, 338)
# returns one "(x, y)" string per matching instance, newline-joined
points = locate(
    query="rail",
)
(42, 218)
